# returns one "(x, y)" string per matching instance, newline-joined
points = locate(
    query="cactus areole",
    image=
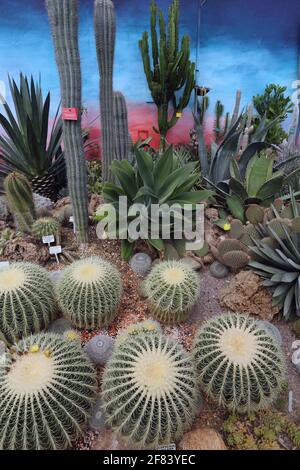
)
(64, 22)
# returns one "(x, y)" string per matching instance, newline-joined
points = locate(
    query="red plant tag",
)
(70, 114)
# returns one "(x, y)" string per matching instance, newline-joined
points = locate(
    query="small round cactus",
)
(27, 301)
(140, 263)
(89, 292)
(44, 227)
(149, 390)
(99, 349)
(218, 270)
(47, 387)
(239, 363)
(172, 289)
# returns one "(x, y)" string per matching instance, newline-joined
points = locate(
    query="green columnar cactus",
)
(122, 136)
(63, 18)
(89, 292)
(240, 364)
(236, 109)
(27, 302)
(219, 110)
(149, 390)
(47, 387)
(172, 289)
(226, 124)
(20, 200)
(105, 33)
(45, 226)
(170, 69)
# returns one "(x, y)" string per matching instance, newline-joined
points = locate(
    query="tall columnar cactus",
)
(89, 292)
(27, 302)
(149, 389)
(236, 109)
(105, 32)
(219, 110)
(239, 363)
(170, 70)
(122, 136)
(172, 289)
(47, 388)
(64, 21)
(20, 200)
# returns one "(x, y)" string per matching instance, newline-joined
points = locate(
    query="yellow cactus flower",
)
(34, 349)
(71, 335)
(227, 227)
(47, 353)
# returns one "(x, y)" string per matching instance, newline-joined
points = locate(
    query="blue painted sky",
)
(243, 44)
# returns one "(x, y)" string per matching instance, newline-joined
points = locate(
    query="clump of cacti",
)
(47, 387)
(172, 289)
(232, 253)
(27, 301)
(19, 197)
(89, 292)
(64, 22)
(45, 226)
(149, 390)
(105, 33)
(239, 364)
(123, 142)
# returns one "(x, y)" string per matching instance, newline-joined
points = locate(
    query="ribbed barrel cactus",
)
(149, 390)
(172, 289)
(239, 363)
(47, 387)
(19, 197)
(89, 292)
(45, 226)
(27, 301)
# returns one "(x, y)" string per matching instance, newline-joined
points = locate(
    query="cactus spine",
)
(20, 200)
(63, 18)
(122, 136)
(105, 33)
(47, 387)
(172, 68)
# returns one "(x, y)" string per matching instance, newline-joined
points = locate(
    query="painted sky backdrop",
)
(243, 44)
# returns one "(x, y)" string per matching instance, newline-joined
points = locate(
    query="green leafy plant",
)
(163, 181)
(239, 364)
(279, 264)
(28, 145)
(27, 301)
(172, 289)
(171, 69)
(89, 292)
(47, 388)
(149, 390)
(274, 104)
(260, 431)
(94, 177)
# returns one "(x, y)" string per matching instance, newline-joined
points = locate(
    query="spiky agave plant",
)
(27, 301)
(172, 289)
(239, 363)
(149, 390)
(89, 292)
(279, 263)
(47, 386)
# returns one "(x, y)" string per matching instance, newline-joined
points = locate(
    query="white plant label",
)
(48, 239)
(171, 446)
(4, 264)
(71, 220)
(55, 250)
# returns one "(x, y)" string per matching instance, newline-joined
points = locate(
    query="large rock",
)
(202, 439)
(23, 250)
(246, 294)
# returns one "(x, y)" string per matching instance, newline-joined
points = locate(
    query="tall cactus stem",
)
(63, 17)
(237, 105)
(19, 197)
(122, 136)
(105, 34)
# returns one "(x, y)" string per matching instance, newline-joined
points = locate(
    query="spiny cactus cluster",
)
(89, 292)
(231, 253)
(63, 18)
(47, 387)
(45, 226)
(149, 390)
(239, 363)
(172, 289)
(19, 197)
(27, 301)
